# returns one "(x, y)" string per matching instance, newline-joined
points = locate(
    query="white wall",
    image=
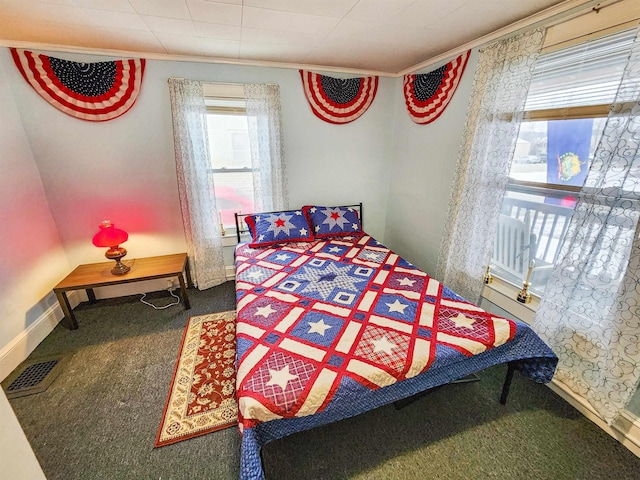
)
(124, 169)
(16, 457)
(33, 261)
(422, 168)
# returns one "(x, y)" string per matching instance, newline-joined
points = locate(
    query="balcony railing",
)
(529, 230)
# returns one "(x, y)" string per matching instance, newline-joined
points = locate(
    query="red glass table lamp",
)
(112, 237)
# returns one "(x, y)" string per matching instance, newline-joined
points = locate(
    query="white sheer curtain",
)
(195, 185)
(265, 138)
(590, 312)
(493, 120)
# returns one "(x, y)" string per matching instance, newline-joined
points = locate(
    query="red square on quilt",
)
(384, 347)
(281, 379)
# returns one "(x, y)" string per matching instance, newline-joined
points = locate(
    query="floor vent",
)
(34, 376)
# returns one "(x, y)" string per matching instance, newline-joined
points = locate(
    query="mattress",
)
(335, 327)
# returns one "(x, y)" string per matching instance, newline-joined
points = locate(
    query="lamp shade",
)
(109, 235)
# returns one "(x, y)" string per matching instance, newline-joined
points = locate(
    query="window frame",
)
(226, 95)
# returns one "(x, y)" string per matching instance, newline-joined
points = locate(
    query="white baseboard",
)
(626, 429)
(16, 351)
(230, 272)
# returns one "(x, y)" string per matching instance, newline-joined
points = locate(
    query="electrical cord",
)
(166, 306)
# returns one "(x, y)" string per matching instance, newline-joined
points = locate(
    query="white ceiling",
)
(368, 35)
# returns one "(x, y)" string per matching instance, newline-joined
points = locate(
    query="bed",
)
(331, 324)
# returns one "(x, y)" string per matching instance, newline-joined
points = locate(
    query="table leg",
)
(187, 272)
(183, 292)
(91, 295)
(69, 319)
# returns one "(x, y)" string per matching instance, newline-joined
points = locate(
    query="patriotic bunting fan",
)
(428, 94)
(90, 91)
(338, 100)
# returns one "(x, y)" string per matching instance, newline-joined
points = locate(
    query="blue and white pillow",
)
(333, 221)
(278, 227)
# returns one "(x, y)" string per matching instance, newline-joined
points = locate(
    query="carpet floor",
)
(99, 418)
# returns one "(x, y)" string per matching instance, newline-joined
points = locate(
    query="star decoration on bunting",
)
(264, 311)
(462, 321)
(396, 306)
(318, 327)
(281, 377)
(382, 344)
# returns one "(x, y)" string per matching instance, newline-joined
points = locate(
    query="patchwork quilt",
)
(334, 327)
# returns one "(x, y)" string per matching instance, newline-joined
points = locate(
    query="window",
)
(230, 157)
(566, 110)
(244, 132)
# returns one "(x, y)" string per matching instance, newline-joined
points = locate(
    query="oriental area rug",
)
(202, 393)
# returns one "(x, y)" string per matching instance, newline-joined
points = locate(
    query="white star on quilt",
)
(264, 311)
(334, 217)
(355, 226)
(281, 377)
(303, 232)
(382, 344)
(406, 282)
(396, 306)
(283, 257)
(318, 327)
(255, 275)
(313, 209)
(335, 250)
(371, 255)
(298, 212)
(462, 321)
(280, 223)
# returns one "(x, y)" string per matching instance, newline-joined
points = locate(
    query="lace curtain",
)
(195, 185)
(590, 312)
(265, 139)
(489, 138)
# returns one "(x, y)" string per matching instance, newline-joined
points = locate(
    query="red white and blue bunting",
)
(338, 100)
(428, 94)
(96, 92)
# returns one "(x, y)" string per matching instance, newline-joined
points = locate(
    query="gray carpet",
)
(99, 418)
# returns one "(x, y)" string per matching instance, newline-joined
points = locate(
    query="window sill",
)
(503, 294)
(231, 240)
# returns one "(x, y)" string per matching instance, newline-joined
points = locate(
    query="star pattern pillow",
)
(279, 227)
(333, 221)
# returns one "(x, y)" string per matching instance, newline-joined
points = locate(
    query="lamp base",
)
(116, 253)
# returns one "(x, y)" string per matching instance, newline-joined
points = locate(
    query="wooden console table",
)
(87, 277)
